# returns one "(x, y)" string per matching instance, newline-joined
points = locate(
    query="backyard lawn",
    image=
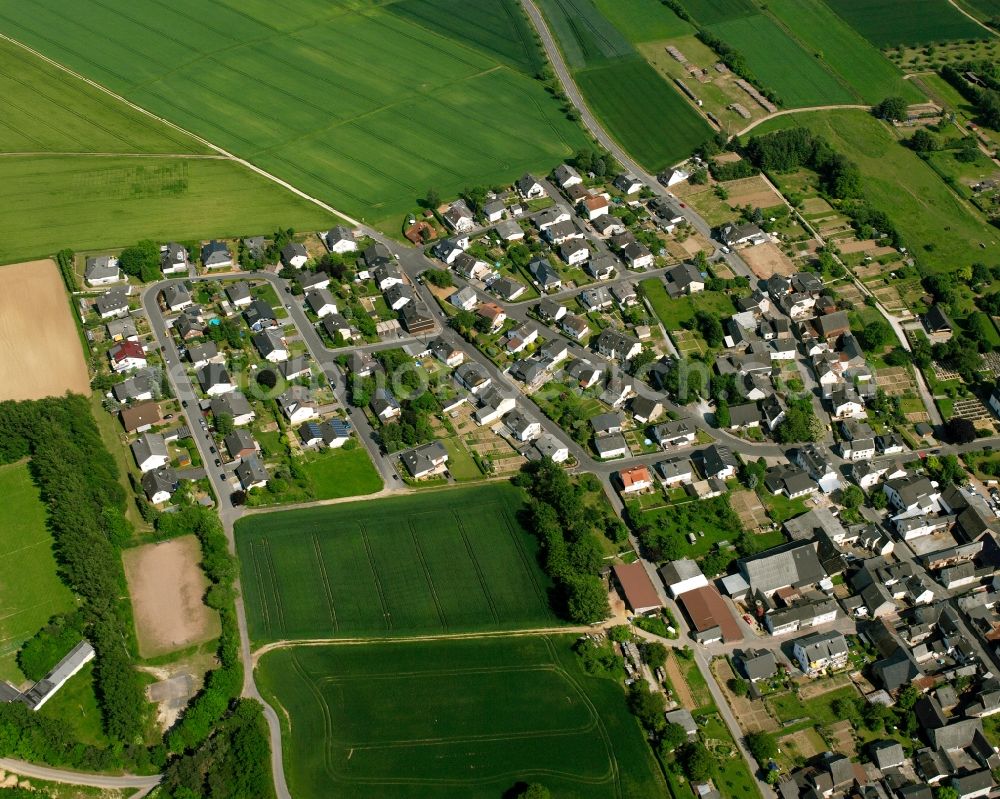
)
(342, 473)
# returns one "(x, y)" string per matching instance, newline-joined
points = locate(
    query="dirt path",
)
(191, 156)
(787, 111)
(965, 13)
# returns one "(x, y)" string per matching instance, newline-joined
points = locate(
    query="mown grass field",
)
(675, 311)
(460, 719)
(86, 202)
(342, 473)
(870, 74)
(942, 230)
(447, 560)
(364, 107)
(650, 119)
(780, 63)
(886, 23)
(30, 591)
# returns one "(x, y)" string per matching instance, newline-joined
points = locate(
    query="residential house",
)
(612, 446)
(625, 294)
(629, 184)
(520, 338)
(566, 176)
(574, 326)
(140, 418)
(494, 210)
(551, 352)
(399, 295)
(676, 433)
(597, 298)
(464, 298)
(313, 281)
(375, 256)
(121, 330)
(174, 259)
(425, 460)
(260, 315)
(336, 325)
(811, 458)
(509, 230)
(296, 405)
(159, 484)
(717, 461)
(492, 406)
(214, 379)
(469, 267)
(294, 255)
(295, 367)
(387, 275)
(216, 255)
(912, 495)
(550, 310)
(607, 225)
(201, 354)
(449, 249)
(748, 234)
(416, 319)
(606, 423)
(635, 480)
(135, 389)
(646, 409)
(544, 274)
(112, 303)
(506, 289)
(177, 297)
(561, 232)
(340, 239)
(321, 302)
(445, 352)
(529, 371)
(251, 473)
(832, 325)
(617, 346)
(602, 267)
(637, 255)
(255, 247)
(235, 405)
(820, 652)
(384, 405)
(333, 433)
(459, 217)
(594, 206)
(239, 444)
(684, 279)
(681, 576)
(102, 270)
(238, 294)
(548, 446)
(529, 188)
(758, 664)
(744, 416)
(550, 217)
(937, 323)
(493, 314)
(521, 427)
(584, 372)
(150, 452)
(127, 356)
(271, 346)
(846, 403)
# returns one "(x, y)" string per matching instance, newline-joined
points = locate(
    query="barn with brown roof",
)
(636, 588)
(709, 615)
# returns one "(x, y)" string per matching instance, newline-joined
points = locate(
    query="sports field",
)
(895, 180)
(459, 719)
(30, 591)
(86, 202)
(886, 23)
(651, 120)
(842, 49)
(362, 106)
(797, 77)
(451, 560)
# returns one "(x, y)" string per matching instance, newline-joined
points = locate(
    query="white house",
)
(159, 484)
(271, 346)
(529, 188)
(818, 652)
(340, 240)
(174, 259)
(566, 176)
(126, 356)
(629, 184)
(574, 251)
(177, 297)
(521, 427)
(681, 576)
(459, 217)
(321, 302)
(214, 379)
(594, 206)
(294, 255)
(637, 255)
(150, 452)
(235, 405)
(465, 298)
(102, 270)
(548, 446)
(296, 406)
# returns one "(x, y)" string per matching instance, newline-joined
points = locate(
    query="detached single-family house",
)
(387, 275)
(216, 255)
(607, 225)
(294, 255)
(529, 188)
(333, 433)
(259, 315)
(629, 184)
(239, 444)
(336, 325)
(214, 379)
(235, 405)
(459, 217)
(469, 267)
(102, 270)
(296, 405)
(294, 368)
(321, 302)
(611, 446)
(384, 405)
(127, 356)
(177, 297)
(597, 298)
(340, 239)
(544, 274)
(637, 255)
(121, 329)
(635, 480)
(150, 452)
(594, 206)
(399, 295)
(684, 279)
(112, 303)
(617, 346)
(201, 354)
(493, 314)
(521, 427)
(574, 251)
(506, 289)
(566, 176)
(425, 460)
(251, 473)
(509, 230)
(239, 294)
(493, 211)
(464, 298)
(742, 235)
(174, 259)
(446, 353)
(377, 255)
(140, 418)
(574, 326)
(548, 446)
(717, 461)
(313, 281)
(134, 389)
(159, 484)
(818, 652)
(271, 346)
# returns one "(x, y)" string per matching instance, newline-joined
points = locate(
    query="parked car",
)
(218, 462)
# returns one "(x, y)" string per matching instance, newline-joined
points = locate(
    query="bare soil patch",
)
(766, 260)
(681, 690)
(747, 505)
(841, 738)
(166, 585)
(803, 743)
(862, 245)
(752, 191)
(42, 356)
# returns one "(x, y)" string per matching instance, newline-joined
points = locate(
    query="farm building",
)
(636, 588)
(710, 617)
(43, 690)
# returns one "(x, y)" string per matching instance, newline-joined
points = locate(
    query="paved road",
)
(67, 777)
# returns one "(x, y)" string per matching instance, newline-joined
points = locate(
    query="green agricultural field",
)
(446, 560)
(342, 473)
(86, 202)
(709, 12)
(359, 105)
(870, 74)
(986, 9)
(30, 591)
(650, 120)
(644, 20)
(797, 77)
(886, 23)
(942, 230)
(44, 110)
(459, 719)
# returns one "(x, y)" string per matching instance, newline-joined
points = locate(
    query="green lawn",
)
(674, 312)
(342, 473)
(788, 706)
(713, 517)
(358, 722)
(730, 772)
(86, 202)
(443, 560)
(781, 508)
(895, 180)
(30, 591)
(354, 103)
(887, 23)
(76, 707)
(460, 461)
(644, 20)
(843, 50)
(780, 64)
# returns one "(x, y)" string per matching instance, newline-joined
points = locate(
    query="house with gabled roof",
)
(235, 405)
(102, 270)
(174, 259)
(127, 356)
(150, 452)
(529, 188)
(251, 473)
(216, 255)
(112, 303)
(294, 255)
(340, 239)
